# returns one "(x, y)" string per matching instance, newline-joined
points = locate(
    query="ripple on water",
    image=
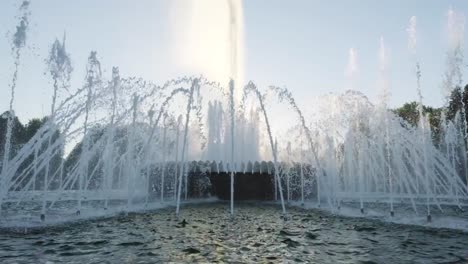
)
(256, 234)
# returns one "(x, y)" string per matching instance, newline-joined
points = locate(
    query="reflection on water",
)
(257, 234)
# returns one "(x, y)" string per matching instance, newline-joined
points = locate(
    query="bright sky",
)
(300, 44)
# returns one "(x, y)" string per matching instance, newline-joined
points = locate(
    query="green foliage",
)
(32, 127)
(18, 132)
(21, 134)
(410, 113)
(457, 102)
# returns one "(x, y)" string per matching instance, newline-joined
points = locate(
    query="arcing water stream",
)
(119, 154)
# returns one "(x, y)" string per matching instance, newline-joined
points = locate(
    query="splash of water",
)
(352, 70)
(411, 30)
(350, 158)
(195, 85)
(93, 80)
(454, 60)
(456, 28)
(274, 148)
(18, 43)
(383, 70)
(60, 69)
(453, 74)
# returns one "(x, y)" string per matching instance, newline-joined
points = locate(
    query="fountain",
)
(92, 158)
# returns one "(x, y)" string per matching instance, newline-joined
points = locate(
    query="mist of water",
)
(352, 69)
(128, 153)
(18, 43)
(209, 39)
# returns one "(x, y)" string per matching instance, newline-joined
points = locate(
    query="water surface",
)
(257, 234)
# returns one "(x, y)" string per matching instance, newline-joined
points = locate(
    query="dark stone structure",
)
(252, 180)
(247, 186)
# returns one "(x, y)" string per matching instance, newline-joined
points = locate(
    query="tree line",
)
(457, 104)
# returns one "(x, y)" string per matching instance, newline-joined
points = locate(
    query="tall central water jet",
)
(209, 40)
(213, 47)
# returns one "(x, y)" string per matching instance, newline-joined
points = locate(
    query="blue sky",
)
(301, 44)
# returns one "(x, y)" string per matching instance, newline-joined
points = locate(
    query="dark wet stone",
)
(191, 250)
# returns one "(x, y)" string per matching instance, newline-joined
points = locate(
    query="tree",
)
(17, 136)
(410, 113)
(22, 134)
